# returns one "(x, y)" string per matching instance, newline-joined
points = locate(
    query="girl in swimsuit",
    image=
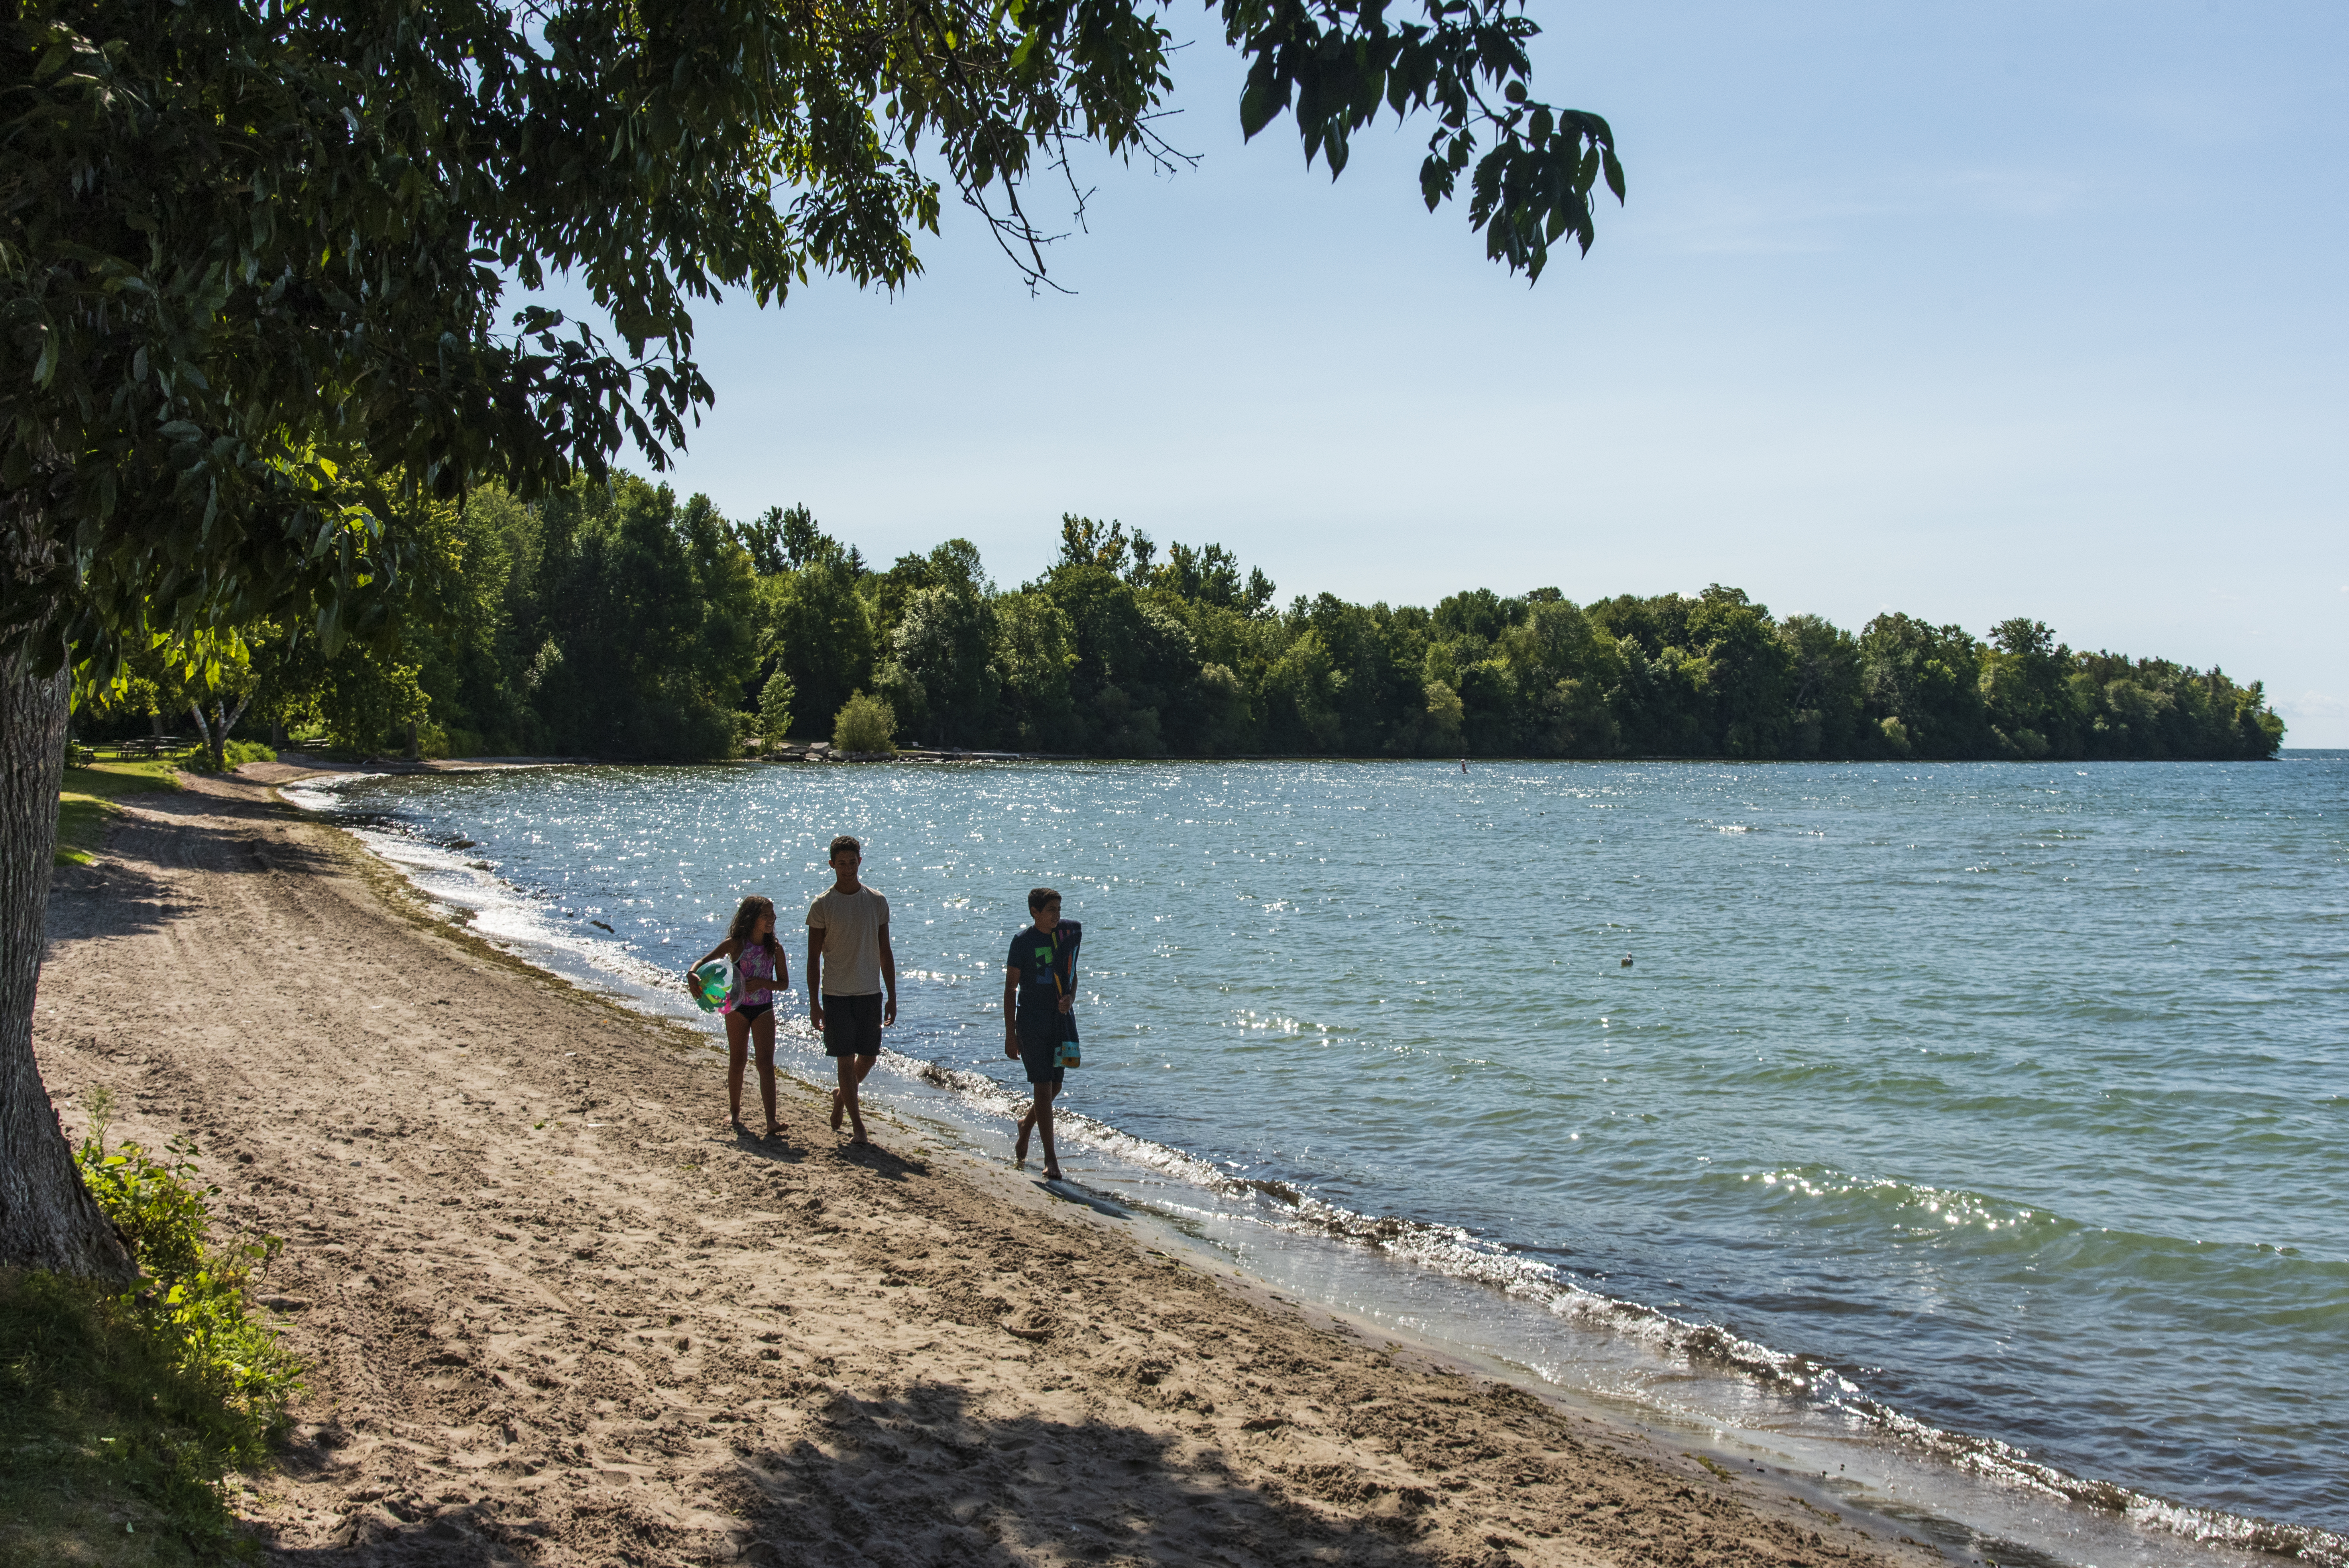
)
(759, 971)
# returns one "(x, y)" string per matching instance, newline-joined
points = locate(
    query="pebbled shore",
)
(557, 1315)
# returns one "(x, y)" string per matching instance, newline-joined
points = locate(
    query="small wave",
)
(2003, 1463)
(1919, 1212)
(324, 793)
(1911, 1208)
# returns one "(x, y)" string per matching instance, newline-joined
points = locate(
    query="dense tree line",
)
(615, 620)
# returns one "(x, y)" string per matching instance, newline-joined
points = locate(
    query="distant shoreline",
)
(312, 765)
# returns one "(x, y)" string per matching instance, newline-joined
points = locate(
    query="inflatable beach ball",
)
(712, 983)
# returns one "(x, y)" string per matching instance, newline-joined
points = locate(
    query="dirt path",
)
(558, 1316)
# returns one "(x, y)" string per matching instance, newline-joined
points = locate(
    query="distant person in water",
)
(849, 960)
(759, 971)
(1039, 994)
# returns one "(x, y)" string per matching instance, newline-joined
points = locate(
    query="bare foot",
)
(774, 1129)
(1019, 1150)
(1051, 1173)
(837, 1110)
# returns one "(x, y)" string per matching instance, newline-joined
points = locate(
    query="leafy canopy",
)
(253, 255)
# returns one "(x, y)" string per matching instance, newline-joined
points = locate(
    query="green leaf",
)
(1261, 100)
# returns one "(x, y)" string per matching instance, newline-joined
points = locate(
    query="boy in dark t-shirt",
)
(1040, 993)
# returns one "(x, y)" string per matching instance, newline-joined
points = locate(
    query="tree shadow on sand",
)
(128, 891)
(112, 898)
(920, 1479)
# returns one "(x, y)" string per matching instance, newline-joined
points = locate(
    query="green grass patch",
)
(86, 803)
(124, 778)
(81, 826)
(122, 1415)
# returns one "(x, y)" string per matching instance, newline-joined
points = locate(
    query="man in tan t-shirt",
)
(849, 960)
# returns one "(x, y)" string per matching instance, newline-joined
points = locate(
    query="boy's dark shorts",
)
(851, 1026)
(1040, 1034)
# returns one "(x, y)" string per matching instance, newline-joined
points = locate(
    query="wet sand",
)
(556, 1313)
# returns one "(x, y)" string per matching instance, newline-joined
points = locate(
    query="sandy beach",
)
(556, 1313)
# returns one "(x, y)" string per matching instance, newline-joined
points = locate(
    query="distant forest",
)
(617, 621)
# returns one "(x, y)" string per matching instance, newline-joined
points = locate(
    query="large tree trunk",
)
(47, 1220)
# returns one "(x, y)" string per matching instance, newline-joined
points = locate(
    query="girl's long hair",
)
(746, 921)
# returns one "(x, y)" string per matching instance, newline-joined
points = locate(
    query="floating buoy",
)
(1627, 961)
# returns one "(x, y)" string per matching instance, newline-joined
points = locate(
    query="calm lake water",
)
(2002, 1109)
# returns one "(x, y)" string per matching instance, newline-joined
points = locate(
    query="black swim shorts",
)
(1041, 1033)
(1044, 1063)
(851, 1026)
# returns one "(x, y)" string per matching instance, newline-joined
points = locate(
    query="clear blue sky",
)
(1968, 311)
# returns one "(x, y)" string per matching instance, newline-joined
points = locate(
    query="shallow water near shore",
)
(1975, 1129)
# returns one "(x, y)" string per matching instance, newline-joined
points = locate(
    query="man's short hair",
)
(844, 842)
(1037, 897)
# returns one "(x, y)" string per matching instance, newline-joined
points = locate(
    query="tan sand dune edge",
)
(557, 1315)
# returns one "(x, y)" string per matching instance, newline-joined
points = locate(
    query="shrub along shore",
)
(617, 621)
(124, 1413)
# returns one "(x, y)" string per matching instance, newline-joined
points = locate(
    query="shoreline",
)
(500, 1308)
